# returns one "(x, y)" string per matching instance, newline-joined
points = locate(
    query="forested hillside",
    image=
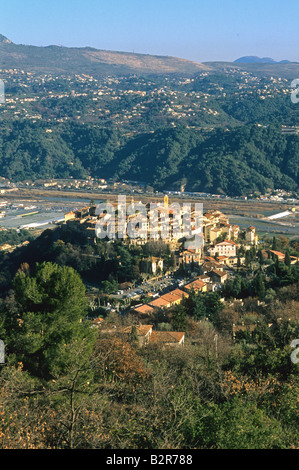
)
(234, 162)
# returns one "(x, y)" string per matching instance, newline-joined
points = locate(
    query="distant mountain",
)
(59, 59)
(263, 60)
(284, 69)
(4, 40)
(62, 60)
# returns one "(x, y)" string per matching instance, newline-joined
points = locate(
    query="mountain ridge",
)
(63, 60)
(5, 40)
(236, 162)
(263, 60)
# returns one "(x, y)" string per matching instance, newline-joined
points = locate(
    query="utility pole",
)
(2, 352)
(216, 345)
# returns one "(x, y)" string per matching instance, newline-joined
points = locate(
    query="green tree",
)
(260, 257)
(248, 258)
(238, 262)
(239, 424)
(134, 336)
(287, 258)
(52, 306)
(179, 318)
(258, 286)
(109, 287)
(73, 394)
(206, 304)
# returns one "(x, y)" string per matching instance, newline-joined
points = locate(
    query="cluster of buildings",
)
(214, 275)
(168, 300)
(139, 223)
(145, 335)
(86, 184)
(213, 256)
(191, 235)
(210, 250)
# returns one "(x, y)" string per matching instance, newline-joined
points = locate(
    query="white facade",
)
(225, 248)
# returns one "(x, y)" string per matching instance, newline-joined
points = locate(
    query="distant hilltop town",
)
(216, 238)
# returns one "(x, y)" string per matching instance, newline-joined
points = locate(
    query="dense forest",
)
(235, 161)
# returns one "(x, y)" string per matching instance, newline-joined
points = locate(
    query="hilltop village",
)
(216, 248)
(216, 241)
(206, 260)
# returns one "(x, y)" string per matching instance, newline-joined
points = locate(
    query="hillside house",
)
(189, 256)
(143, 333)
(143, 309)
(69, 216)
(225, 248)
(215, 232)
(251, 236)
(198, 286)
(170, 299)
(281, 256)
(157, 265)
(167, 338)
(218, 276)
(147, 336)
(210, 266)
(151, 265)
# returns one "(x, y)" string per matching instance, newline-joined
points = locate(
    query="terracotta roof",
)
(142, 330)
(225, 242)
(203, 276)
(230, 242)
(210, 258)
(178, 293)
(278, 253)
(190, 253)
(197, 284)
(98, 321)
(144, 309)
(219, 273)
(160, 302)
(169, 337)
(168, 298)
(212, 264)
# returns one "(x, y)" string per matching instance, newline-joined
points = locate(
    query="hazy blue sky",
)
(200, 30)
